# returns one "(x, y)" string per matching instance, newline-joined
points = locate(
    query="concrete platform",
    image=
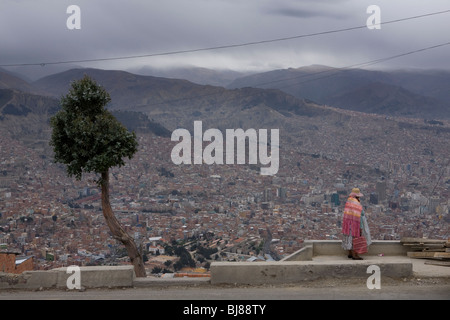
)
(239, 274)
(318, 260)
(322, 267)
(313, 248)
(420, 267)
(325, 259)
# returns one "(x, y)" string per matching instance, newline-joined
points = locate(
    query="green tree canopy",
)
(86, 136)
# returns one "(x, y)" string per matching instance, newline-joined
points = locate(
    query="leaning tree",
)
(86, 137)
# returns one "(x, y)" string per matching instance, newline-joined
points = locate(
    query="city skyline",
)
(234, 203)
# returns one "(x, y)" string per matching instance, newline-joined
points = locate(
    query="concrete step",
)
(286, 272)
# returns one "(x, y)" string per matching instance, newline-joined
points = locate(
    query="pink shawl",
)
(352, 215)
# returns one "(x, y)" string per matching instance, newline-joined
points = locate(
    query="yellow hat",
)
(356, 193)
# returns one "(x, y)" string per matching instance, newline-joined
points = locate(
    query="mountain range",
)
(161, 105)
(177, 103)
(148, 103)
(269, 99)
(413, 93)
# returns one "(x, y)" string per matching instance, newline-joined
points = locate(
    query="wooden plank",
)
(433, 245)
(442, 255)
(428, 247)
(433, 250)
(421, 240)
(438, 263)
(420, 255)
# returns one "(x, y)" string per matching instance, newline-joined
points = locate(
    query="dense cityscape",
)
(231, 212)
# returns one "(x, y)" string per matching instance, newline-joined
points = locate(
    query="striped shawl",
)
(352, 217)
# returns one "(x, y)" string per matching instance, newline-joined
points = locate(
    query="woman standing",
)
(354, 223)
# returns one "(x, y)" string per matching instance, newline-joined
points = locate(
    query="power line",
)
(359, 65)
(222, 46)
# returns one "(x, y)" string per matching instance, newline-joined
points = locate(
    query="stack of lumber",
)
(427, 248)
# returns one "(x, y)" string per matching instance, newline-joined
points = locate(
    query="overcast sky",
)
(35, 31)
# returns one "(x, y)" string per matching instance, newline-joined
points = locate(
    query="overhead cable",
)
(219, 47)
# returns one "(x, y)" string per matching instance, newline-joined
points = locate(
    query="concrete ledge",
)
(299, 271)
(90, 277)
(318, 259)
(333, 247)
(100, 276)
(29, 280)
(154, 282)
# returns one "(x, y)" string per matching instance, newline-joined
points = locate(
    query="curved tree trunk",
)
(118, 232)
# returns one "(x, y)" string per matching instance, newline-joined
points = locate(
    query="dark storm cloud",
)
(305, 14)
(309, 9)
(35, 31)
